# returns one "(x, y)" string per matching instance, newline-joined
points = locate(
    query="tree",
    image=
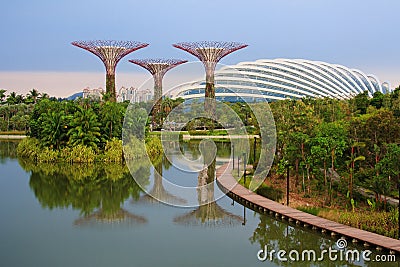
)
(54, 127)
(34, 94)
(85, 129)
(377, 100)
(332, 137)
(353, 160)
(12, 98)
(2, 95)
(111, 118)
(362, 102)
(388, 169)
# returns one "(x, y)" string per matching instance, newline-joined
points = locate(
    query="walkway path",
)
(12, 136)
(187, 136)
(237, 192)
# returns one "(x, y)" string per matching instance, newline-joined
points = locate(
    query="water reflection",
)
(98, 191)
(8, 149)
(158, 194)
(208, 213)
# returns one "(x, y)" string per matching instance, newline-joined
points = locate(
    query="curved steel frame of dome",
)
(276, 79)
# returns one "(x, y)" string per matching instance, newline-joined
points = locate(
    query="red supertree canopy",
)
(158, 65)
(210, 51)
(110, 51)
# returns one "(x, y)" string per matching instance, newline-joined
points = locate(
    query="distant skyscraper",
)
(95, 93)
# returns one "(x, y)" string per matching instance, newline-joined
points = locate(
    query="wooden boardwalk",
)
(259, 203)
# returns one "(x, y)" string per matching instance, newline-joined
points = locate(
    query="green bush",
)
(133, 148)
(113, 151)
(28, 148)
(78, 154)
(154, 147)
(47, 155)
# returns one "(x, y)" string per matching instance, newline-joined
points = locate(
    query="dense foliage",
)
(333, 146)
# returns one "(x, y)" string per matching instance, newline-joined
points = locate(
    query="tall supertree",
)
(157, 67)
(210, 53)
(110, 52)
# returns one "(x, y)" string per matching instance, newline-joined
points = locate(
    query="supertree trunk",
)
(209, 102)
(110, 87)
(157, 98)
(157, 67)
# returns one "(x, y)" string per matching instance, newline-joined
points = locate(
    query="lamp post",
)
(287, 185)
(244, 169)
(254, 149)
(233, 155)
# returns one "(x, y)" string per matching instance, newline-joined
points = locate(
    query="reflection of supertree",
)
(157, 68)
(158, 193)
(209, 52)
(118, 216)
(209, 213)
(110, 52)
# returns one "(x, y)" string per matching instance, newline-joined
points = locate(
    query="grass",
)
(310, 210)
(382, 222)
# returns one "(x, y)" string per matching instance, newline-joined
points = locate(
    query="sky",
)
(36, 36)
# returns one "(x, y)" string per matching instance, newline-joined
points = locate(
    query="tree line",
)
(334, 146)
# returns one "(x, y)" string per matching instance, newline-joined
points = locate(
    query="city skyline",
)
(356, 34)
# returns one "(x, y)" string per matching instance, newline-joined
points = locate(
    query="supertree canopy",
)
(157, 67)
(110, 52)
(210, 52)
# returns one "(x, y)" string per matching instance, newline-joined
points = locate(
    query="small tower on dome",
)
(210, 53)
(110, 53)
(157, 67)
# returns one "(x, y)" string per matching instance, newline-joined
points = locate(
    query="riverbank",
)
(229, 185)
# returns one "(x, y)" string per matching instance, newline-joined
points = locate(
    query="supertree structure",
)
(157, 67)
(110, 52)
(210, 53)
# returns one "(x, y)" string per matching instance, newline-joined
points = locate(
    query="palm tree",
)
(34, 94)
(54, 126)
(2, 95)
(19, 99)
(44, 96)
(85, 128)
(11, 98)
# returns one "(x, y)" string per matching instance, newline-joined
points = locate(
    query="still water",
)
(96, 215)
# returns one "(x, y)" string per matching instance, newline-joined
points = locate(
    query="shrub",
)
(133, 148)
(47, 155)
(113, 151)
(154, 147)
(78, 154)
(28, 148)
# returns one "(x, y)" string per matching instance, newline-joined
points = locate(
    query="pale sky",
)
(35, 49)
